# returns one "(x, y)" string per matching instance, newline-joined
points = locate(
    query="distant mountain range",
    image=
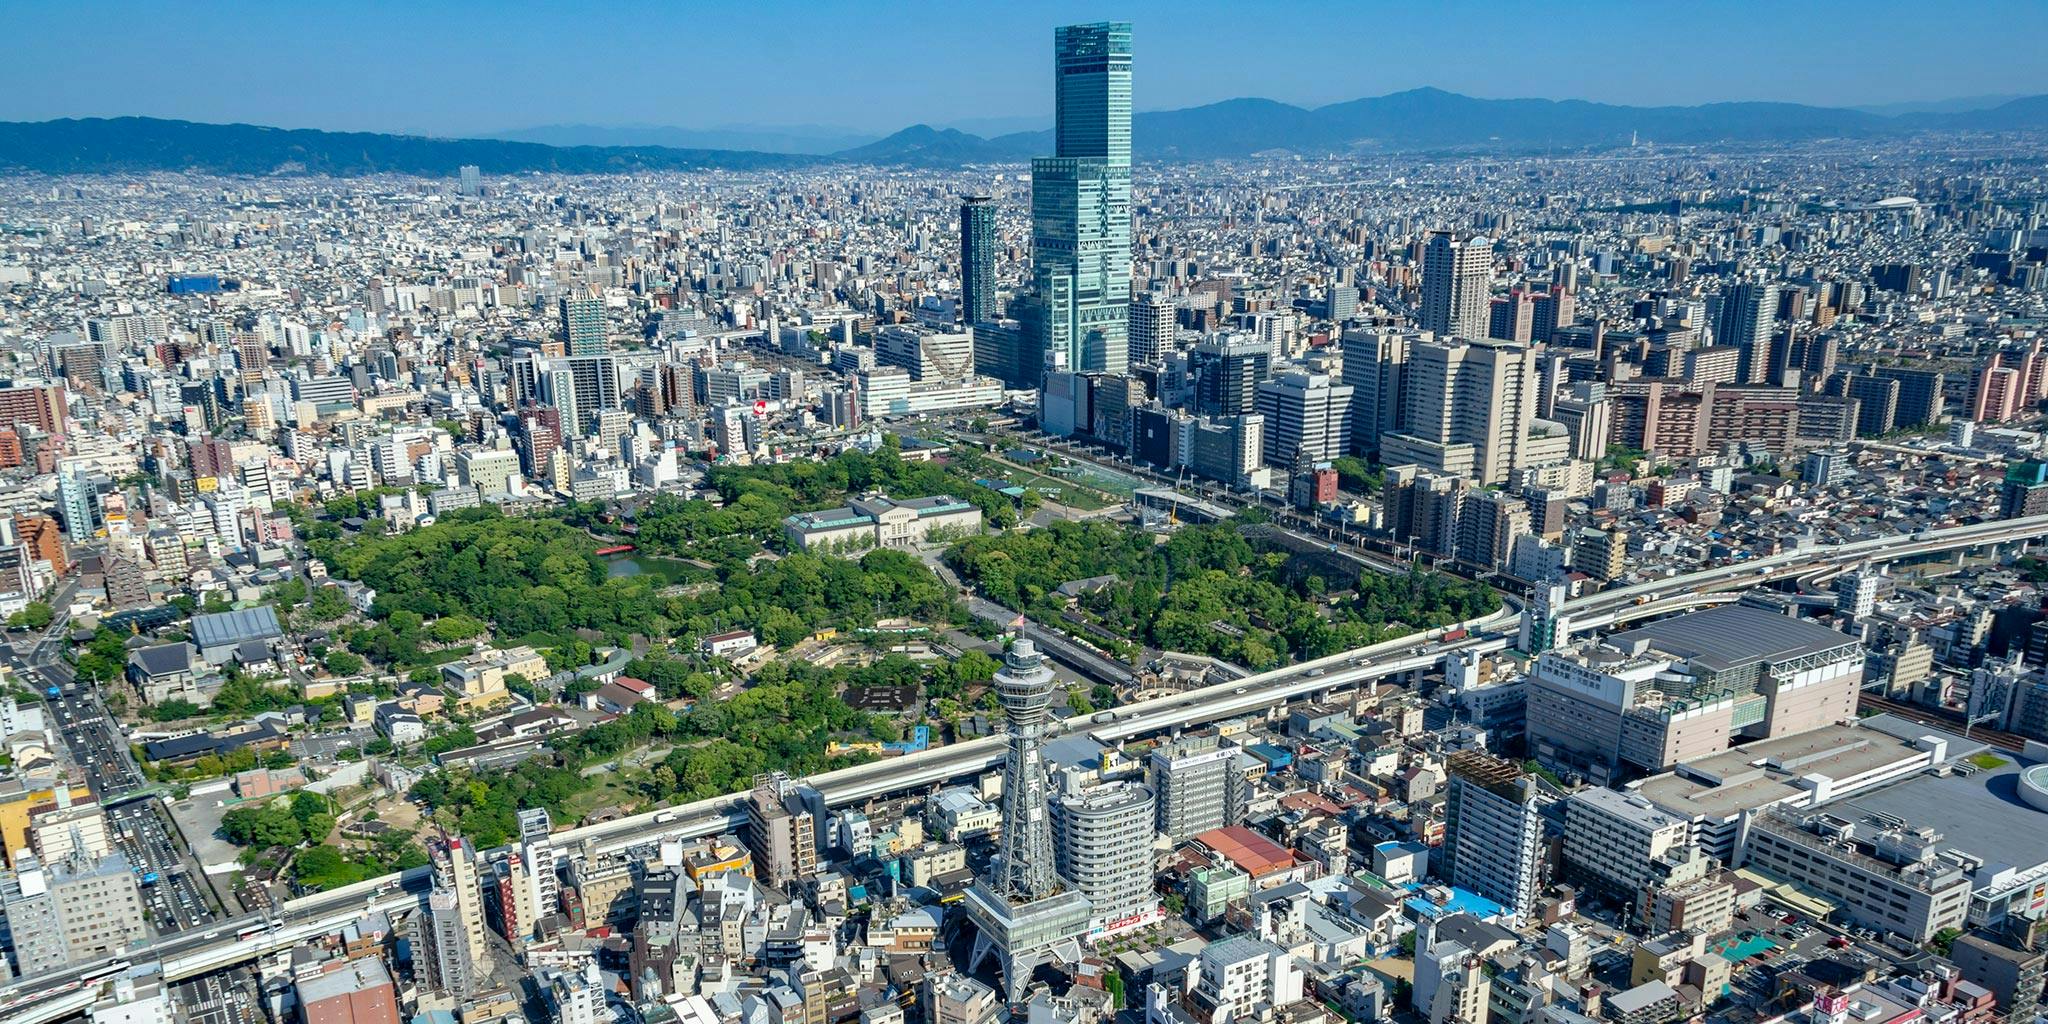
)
(1953, 105)
(1419, 119)
(800, 138)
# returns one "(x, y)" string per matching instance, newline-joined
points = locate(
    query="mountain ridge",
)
(1423, 119)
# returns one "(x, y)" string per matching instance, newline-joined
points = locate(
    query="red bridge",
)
(616, 549)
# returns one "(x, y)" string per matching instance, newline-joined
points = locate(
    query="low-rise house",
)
(166, 672)
(399, 725)
(735, 644)
(619, 696)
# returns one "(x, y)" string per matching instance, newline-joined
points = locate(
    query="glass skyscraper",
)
(1081, 202)
(978, 260)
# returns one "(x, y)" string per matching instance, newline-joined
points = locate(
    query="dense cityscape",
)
(1438, 587)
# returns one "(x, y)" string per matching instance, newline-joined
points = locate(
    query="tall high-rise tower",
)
(461, 952)
(1152, 329)
(1081, 201)
(977, 260)
(1749, 316)
(583, 327)
(1493, 830)
(1024, 688)
(1455, 277)
(1024, 914)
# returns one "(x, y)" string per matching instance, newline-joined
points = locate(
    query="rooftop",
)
(1732, 635)
(1251, 852)
(1980, 813)
(1768, 772)
(225, 629)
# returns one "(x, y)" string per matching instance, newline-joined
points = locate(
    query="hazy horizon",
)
(436, 69)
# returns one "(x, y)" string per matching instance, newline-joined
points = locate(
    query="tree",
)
(1355, 476)
(35, 615)
(1944, 940)
(175, 709)
(105, 657)
(327, 605)
(342, 663)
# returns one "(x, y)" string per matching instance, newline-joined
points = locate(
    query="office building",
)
(469, 180)
(1229, 450)
(1456, 275)
(1493, 830)
(1009, 351)
(1227, 372)
(1081, 202)
(978, 260)
(926, 354)
(1306, 415)
(1198, 786)
(1467, 408)
(98, 906)
(2024, 492)
(1614, 840)
(1373, 363)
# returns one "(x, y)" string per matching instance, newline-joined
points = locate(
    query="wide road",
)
(34, 1000)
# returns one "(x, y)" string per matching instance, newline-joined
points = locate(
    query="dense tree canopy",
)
(1209, 590)
(541, 576)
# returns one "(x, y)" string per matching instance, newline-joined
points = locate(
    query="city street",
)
(174, 897)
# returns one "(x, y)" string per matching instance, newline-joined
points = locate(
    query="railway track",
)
(1943, 719)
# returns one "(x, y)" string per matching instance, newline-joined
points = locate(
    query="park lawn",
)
(623, 787)
(1065, 492)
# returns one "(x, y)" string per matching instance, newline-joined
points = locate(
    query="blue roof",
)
(1462, 901)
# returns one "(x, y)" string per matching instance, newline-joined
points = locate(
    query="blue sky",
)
(458, 68)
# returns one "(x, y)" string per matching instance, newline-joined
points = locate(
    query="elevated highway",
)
(42, 998)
